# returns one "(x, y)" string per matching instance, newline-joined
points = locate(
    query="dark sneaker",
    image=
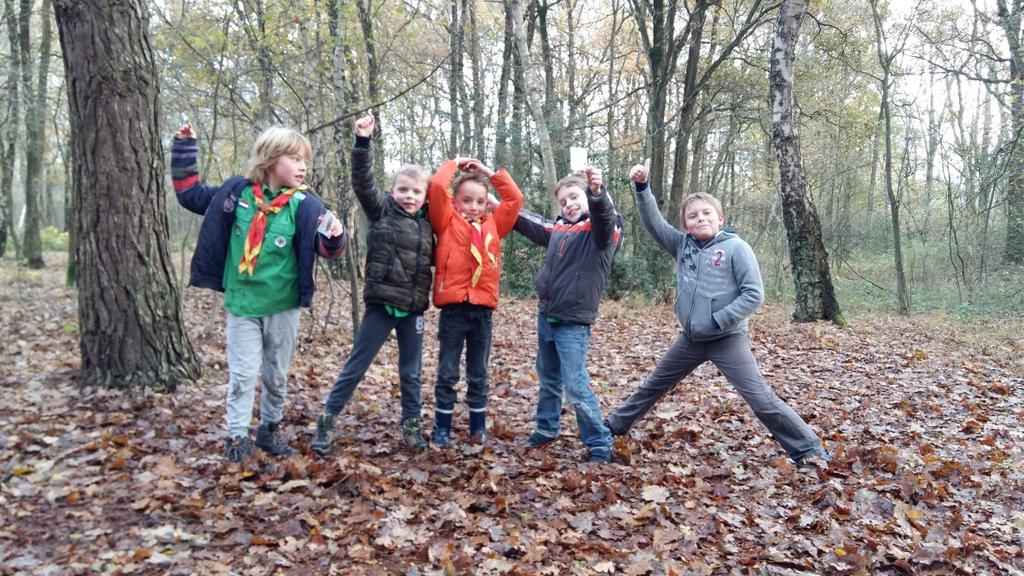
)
(412, 434)
(324, 438)
(536, 440)
(813, 463)
(441, 437)
(600, 457)
(237, 448)
(268, 439)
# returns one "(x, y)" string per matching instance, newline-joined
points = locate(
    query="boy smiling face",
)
(409, 193)
(471, 200)
(573, 201)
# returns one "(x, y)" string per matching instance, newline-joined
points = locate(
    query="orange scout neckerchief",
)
(479, 246)
(258, 226)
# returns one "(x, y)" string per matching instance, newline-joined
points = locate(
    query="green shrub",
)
(54, 240)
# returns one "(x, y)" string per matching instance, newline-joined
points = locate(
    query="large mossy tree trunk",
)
(129, 314)
(815, 296)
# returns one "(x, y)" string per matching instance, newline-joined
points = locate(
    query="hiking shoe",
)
(441, 437)
(324, 438)
(268, 439)
(812, 463)
(536, 440)
(237, 448)
(412, 434)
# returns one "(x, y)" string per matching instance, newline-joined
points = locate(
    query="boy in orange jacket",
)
(467, 271)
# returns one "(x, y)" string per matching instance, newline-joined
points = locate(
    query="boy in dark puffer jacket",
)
(400, 252)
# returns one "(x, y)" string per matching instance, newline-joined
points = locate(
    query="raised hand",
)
(364, 126)
(473, 166)
(594, 180)
(186, 131)
(639, 172)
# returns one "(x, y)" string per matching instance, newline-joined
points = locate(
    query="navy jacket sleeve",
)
(192, 194)
(534, 227)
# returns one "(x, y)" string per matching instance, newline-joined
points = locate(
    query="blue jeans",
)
(562, 366)
(374, 330)
(471, 325)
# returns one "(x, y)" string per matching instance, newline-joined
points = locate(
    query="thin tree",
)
(815, 297)
(534, 95)
(8, 144)
(1010, 20)
(35, 116)
(129, 316)
(886, 59)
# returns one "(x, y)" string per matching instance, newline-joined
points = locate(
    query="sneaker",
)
(813, 463)
(237, 448)
(412, 434)
(441, 437)
(324, 438)
(600, 457)
(268, 439)
(536, 440)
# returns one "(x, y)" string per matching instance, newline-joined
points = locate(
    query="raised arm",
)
(507, 213)
(602, 211)
(439, 200)
(663, 233)
(370, 197)
(193, 195)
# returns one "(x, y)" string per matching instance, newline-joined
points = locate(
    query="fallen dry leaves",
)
(923, 419)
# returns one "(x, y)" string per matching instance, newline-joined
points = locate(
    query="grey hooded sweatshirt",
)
(718, 284)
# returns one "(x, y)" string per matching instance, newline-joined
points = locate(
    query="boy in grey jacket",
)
(718, 288)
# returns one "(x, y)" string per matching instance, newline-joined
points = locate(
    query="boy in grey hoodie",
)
(719, 287)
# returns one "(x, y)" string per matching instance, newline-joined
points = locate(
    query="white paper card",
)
(577, 158)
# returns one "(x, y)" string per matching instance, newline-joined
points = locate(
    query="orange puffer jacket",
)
(455, 264)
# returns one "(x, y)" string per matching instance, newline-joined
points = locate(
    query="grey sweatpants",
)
(732, 355)
(263, 348)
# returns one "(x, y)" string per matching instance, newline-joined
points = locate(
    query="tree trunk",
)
(8, 144)
(687, 118)
(32, 248)
(535, 97)
(479, 121)
(1011, 22)
(815, 297)
(552, 108)
(885, 61)
(501, 141)
(257, 38)
(454, 79)
(129, 315)
(35, 135)
(661, 48)
(373, 77)
(344, 99)
(876, 150)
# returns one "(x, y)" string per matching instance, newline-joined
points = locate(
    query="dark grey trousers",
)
(732, 355)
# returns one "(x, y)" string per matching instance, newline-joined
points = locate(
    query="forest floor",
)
(923, 417)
